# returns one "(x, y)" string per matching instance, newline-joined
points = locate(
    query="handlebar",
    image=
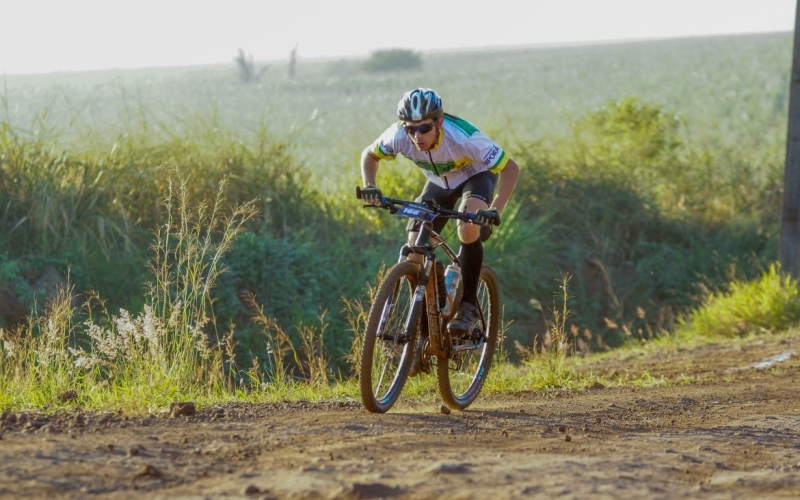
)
(394, 204)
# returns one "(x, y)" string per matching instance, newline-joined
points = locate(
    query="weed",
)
(770, 303)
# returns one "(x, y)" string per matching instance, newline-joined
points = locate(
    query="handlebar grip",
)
(358, 192)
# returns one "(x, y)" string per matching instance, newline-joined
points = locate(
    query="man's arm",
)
(369, 167)
(505, 185)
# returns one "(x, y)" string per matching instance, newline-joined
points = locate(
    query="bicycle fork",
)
(438, 337)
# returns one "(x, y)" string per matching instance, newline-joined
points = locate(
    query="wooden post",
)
(790, 220)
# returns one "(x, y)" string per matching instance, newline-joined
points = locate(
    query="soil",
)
(724, 425)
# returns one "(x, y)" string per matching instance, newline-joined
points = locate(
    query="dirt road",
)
(725, 427)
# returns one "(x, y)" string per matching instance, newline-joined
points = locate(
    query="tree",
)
(393, 60)
(247, 68)
(293, 61)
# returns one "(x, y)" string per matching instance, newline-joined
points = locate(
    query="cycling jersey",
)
(461, 151)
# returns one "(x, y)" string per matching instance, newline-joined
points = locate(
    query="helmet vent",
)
(420, 104)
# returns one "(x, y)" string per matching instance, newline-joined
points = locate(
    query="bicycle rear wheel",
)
(390, 338)
(462, 375)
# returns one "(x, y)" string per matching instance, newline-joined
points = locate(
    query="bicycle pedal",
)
(418, 365)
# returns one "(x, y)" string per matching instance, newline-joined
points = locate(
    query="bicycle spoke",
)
(462, 375)
(386, 353)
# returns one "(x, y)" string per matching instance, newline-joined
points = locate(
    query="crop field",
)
(732, 92)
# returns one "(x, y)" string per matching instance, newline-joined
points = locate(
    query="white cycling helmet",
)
(420, 104)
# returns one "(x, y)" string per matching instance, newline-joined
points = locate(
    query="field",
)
(731, 91)
(652, 176)
(179, 235)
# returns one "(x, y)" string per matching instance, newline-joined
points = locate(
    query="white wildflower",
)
(151, 326)
(104, 341)
(10, 348)
(127, 334)
(84, 360)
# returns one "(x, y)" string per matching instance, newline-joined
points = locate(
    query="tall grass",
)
(545, 365)
(38, 369)
(165, 353)
(767, 304)
(654, 186)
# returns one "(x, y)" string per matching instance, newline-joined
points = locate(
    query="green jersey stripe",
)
(461, 125)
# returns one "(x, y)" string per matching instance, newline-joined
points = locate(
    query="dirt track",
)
(732, 433)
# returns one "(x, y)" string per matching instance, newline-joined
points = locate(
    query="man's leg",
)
(471, 249)
(471, 256)
(477, 191)
(444, 197)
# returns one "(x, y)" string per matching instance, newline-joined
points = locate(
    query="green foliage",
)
(650, 184)
(637, 262)
(628, 140)
(770, 303)
(86, 210)
(393, 60)
(158, 356)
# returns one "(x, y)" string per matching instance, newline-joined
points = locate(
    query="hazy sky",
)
(73, 35)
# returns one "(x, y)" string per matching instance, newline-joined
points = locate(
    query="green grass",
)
(159, 355)
(651, 174)
(768, 304)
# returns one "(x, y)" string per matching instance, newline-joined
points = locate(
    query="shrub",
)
(393, 60)
(628, 137)
(150, 358)
(770, 303)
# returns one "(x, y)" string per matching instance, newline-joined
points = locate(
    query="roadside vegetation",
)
(209, 246)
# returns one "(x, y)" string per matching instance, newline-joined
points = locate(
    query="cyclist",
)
(459, 161)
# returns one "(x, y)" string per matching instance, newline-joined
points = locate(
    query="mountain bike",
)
(409, 318)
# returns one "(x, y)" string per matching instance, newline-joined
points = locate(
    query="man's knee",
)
(469, 233)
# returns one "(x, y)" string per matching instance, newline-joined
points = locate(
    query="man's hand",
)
(371, 195)
(488, 216)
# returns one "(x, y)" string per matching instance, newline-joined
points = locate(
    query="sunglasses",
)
(422, 129)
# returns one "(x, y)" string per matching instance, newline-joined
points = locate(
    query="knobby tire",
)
(462, 375)
(388, 347)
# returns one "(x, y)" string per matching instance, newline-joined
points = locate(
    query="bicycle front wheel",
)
(390, 338)
(462, 375)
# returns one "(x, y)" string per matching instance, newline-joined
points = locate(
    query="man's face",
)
(423, 133)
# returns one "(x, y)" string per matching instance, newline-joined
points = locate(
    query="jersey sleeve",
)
(387, 145)
(485, 151)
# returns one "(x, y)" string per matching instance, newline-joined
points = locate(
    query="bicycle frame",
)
(425, 245)
(392, 327)
(427, 241)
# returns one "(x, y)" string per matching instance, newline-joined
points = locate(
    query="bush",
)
(770, 303)
(604, 206)
(85, 211)
(628, 138)
(393, 60)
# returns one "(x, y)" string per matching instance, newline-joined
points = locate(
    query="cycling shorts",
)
(479, 186)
